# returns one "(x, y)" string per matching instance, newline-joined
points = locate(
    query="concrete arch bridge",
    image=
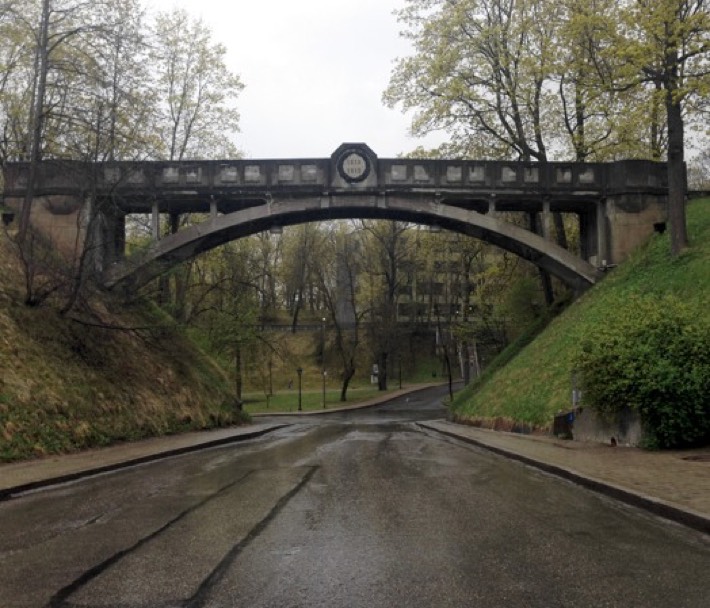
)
(618, 204)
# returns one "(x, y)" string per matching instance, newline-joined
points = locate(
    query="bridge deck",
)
(231, 185)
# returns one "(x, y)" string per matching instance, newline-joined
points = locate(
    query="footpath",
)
(672, 484)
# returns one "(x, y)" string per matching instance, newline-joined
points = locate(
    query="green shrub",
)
(652, 356)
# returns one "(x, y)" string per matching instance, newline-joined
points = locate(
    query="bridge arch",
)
(139, 269)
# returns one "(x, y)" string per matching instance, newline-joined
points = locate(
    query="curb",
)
(686, 517)
(10, 492)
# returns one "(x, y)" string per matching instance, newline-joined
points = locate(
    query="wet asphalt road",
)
(348, 510)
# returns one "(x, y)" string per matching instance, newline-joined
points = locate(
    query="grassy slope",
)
(536, 384)
(66, 386)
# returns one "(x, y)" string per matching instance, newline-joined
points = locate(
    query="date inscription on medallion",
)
(353, 166)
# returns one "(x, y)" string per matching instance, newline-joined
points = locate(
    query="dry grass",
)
(72, 383)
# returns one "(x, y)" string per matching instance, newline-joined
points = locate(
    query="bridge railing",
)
(317, 175)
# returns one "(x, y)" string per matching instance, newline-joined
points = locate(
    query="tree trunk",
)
(466, 367)
(347, 376)
(238, 377)
(36, 115)
(382, 372)
(447, 364)
(296, 310)
(676, 176)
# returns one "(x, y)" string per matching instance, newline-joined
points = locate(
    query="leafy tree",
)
(56, 102)
(195, 111)
(196, 92)
(56, 28)
(230, 311)
(526, 80)
(478, 72)
(74, 81)
(268, 257)
(301, 250)
(483, 71)
(665, 44)
(118, 93)
(699, 171)
(233, 330)
(16, 61)
(596, 123)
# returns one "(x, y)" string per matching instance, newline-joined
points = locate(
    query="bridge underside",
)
(133, 273)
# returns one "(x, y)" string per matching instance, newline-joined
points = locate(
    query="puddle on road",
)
(389, 432)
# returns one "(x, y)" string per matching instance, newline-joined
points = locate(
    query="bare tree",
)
(385, 250)
(337, 274)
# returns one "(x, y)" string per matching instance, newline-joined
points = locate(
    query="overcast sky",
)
(314, 72)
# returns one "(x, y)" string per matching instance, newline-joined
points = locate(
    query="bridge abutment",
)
(631, 220)
(59, 219)
(75, 227)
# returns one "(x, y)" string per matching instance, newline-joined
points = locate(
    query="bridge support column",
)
(155, 221)
(602, 234)
(106, 238)
(546, 220)
(492, 206)
(118, 251)
(594, 235)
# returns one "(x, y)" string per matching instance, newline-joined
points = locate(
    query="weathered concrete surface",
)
(59, 219)
(624, 429)
(618, 204)
(218, 230)
(631, 222)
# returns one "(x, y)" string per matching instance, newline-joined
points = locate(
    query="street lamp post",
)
(299, 371)
(271, 377)
(322, 355)
(400, 371)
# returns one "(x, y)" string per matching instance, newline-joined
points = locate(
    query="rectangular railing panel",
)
(313, 176)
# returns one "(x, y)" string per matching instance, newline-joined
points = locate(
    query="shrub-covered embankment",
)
(537, 382)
